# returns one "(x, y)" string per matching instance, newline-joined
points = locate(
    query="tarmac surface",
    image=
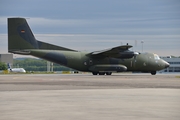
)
(88, 97)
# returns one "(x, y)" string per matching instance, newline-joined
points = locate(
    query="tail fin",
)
(20, 37)
(9, 67)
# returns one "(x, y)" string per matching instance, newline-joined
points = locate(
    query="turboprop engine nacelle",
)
(127, 54)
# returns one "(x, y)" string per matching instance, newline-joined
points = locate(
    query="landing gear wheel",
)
(101, 73)
(108, 73)
(94, 73)
(153, 72)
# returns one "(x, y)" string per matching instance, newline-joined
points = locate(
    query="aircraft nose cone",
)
(166, 65)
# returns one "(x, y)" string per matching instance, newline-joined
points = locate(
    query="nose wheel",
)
(153, 72)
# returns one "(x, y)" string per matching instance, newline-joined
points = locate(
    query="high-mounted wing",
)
(116, 52)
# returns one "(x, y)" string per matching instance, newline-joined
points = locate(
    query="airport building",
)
(6, 58)
(174, 65)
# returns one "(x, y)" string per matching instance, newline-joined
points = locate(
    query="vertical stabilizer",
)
(20, 35)
(9, 67)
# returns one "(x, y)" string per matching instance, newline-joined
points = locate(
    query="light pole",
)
(142, 44)
(135, 44)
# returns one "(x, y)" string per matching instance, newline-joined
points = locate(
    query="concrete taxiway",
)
(88, 97)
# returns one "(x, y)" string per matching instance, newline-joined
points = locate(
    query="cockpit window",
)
(156, 56)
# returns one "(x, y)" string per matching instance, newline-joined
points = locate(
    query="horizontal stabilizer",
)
(47, 46)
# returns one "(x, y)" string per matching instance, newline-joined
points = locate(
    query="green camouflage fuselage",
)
(82, 61)
(118, 59)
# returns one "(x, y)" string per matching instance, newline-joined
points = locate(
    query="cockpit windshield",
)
(156, 57)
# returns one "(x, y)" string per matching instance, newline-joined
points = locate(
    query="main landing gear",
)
(153, 72)
(101, 73)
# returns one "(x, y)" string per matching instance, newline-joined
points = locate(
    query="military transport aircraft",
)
(118, 59)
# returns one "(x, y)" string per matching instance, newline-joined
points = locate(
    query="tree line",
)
(32, 64)
(3, 66)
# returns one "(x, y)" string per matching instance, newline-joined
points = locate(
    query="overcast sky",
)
(90, 25)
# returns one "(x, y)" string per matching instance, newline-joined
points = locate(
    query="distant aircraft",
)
(15, 70)
(118, 59)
